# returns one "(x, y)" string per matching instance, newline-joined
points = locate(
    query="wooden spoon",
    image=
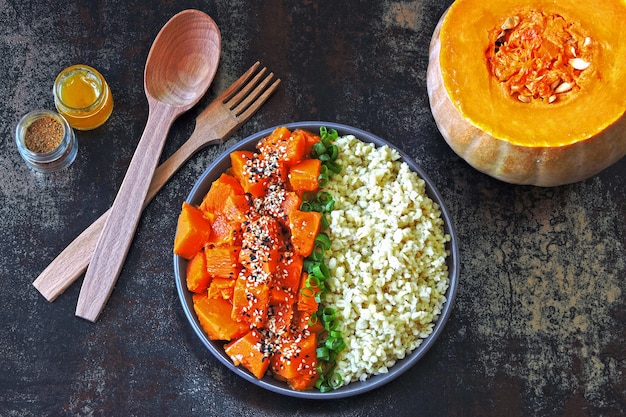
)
(180, 67)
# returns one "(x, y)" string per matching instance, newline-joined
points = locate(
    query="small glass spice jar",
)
(46, 141)
(83, 97)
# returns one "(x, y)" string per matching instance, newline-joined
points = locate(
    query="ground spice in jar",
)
(44, 135)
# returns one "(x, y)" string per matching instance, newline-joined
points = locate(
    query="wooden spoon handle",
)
(72, 262)
(119, 228)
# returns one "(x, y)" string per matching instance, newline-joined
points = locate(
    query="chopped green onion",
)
(328, 313)
(307, 292)
(320, 271)
(322, 353)
(333, 152)
(327, 152)
(336, 344)
(318, 252)
(333, 166)
(335, 334)
(326, 200)
(323, 179)
(312, 282)
(323, 240)
(335, 380)
(306, 206)
(331, 324)
(319, 148)
(331, 342)
(325, 222)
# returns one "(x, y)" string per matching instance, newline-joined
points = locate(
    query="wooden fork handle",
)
(72, 262)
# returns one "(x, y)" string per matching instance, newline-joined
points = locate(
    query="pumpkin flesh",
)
(542, 138)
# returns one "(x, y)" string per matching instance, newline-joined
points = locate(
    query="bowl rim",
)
(219, 165)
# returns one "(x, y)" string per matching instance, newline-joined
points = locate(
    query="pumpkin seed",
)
(587, 41)
(579, 63)
(563, 87)
(510, 22)
(555, 84)
(552, 99)
(523, 99)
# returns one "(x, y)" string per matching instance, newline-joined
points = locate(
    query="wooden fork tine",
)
(235, 86)
(251, 94)
(248, 107)
(245, 90)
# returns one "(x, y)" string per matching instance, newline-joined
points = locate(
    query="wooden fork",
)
(214, 125)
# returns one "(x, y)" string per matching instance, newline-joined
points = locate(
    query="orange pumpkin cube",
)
(310, 140)
(225, 232)
(248, 167)
(289, 273)
(304, 176)
(223, 187)
(297, 361)
(289, 149)
(304, 226)
(192, 232)
(198, 279)
(248, 352)
(215, 318)
(221, 288)
(222, 261)
(250, 302)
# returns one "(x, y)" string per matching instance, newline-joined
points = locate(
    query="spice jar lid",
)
(46, 141)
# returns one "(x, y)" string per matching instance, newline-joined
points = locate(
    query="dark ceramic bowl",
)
(221, 164)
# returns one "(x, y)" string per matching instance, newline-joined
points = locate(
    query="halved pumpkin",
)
(486, 62)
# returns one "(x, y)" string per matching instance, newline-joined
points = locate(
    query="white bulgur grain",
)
(387, 259)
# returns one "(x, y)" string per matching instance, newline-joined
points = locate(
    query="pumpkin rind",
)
(580, 151)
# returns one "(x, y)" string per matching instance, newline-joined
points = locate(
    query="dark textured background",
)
(538, 324)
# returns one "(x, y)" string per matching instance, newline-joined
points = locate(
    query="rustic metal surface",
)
(538, 325)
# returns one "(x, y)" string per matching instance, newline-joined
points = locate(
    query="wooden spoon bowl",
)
(180, 70)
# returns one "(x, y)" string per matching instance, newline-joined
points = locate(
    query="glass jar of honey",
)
(83, 97)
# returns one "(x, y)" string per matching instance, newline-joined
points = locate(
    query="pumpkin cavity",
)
(538, 56)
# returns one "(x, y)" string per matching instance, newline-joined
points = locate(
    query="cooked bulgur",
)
(387, 260)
